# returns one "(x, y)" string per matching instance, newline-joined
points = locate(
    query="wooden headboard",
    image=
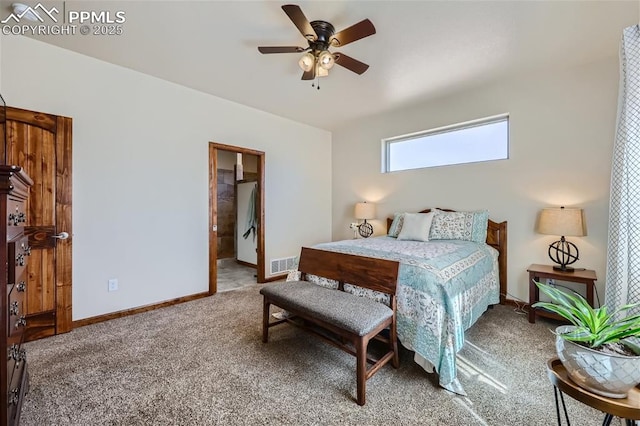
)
(496, 238)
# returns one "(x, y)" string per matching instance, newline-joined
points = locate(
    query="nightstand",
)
(538, 272)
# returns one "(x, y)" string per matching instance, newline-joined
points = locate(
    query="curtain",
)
(623, 251)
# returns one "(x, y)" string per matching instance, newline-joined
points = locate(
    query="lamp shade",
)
(365, 211)
(562, 221)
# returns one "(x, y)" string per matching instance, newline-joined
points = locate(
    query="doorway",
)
(41, 144)
(236, 216)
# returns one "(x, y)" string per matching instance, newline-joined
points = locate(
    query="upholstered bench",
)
(342, 319)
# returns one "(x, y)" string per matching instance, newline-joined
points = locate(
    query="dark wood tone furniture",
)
(343, 318)
(538, 272)
(14, 252)
(627, 408)
(496, 238)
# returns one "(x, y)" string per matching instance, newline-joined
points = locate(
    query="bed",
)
(444, 286)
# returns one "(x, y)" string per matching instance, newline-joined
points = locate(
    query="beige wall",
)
(140, 173)
(561, 138)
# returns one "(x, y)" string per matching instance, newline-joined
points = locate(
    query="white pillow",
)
(416, 226)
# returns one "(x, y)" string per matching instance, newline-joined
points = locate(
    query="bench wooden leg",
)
(265, 320)
(361, 369)
(395, 361)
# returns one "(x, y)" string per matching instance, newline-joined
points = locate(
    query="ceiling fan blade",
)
(299, 20)
(280, 49)
(309, 75)
(355, 32)
(351, 64)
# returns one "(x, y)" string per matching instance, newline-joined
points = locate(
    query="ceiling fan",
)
(317, 60)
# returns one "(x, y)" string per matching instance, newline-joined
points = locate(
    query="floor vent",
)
(282, 265)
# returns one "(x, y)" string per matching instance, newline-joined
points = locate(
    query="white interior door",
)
(246, 247)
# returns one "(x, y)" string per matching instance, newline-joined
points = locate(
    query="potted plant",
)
(598, 349)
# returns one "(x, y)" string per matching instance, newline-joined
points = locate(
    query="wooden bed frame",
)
(496, 238)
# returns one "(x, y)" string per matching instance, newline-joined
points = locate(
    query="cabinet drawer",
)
(17, 325)
(15, 393)
(18, 252)
(16, 308)
(16, 356)
(16, 217)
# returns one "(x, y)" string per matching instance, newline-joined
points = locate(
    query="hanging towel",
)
(252, 220)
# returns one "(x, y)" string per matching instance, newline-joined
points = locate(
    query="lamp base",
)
(563, 253)
(365, 229)
(563, 269)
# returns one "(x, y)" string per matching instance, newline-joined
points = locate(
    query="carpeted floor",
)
(203, 363)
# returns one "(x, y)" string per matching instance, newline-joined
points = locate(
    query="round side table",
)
(627, 408)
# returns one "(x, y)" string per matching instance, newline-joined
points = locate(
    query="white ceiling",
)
(422, 49)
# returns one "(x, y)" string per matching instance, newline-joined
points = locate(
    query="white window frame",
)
(387, 142)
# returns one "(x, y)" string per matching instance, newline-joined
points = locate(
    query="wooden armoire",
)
(14, 255)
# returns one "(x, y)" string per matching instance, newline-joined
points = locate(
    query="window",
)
(479, 140)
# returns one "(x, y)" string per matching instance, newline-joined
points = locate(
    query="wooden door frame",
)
(213, 211)
(62, 127)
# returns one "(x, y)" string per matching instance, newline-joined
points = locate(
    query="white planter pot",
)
(608, 375)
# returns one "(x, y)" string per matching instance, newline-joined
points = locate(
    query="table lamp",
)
(564, 222)
(364, 211)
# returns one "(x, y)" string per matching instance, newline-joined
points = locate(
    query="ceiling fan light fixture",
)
(306, 62)
(316, 60)
(326, 59)
(322, 72)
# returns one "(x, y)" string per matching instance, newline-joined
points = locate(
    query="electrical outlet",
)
(551, 282)
(113, 284)
(353, 225)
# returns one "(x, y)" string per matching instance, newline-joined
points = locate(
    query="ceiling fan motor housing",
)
(324, 30)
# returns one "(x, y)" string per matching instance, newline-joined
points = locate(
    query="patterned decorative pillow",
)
(468, 226)
(294, 275)
(321, 281)
(365, 292)
(396, 225)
